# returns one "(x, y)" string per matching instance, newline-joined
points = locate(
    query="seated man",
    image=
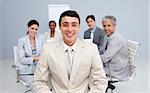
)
(96, 34)
(73, 64)
(115, 57)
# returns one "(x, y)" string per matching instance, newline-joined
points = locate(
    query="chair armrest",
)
(17, 72)
(14, 66)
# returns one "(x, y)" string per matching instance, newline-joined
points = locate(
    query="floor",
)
(138, 85)
(8, 78)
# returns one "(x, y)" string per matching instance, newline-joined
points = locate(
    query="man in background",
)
(96, 34)
(116, 57)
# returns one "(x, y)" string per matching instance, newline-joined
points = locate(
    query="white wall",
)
(0, 29)
(131, 18)
(16, 14)
(55, 10)
(149, 45)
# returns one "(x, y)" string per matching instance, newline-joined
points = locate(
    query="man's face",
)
(69, 27)
(108, 26)
(52, 26)
(91, 23)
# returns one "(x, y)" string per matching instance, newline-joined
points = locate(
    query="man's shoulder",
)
(86, 31)
(117, 39)
(87, 43)
(117, 36)
(99, 29)
(48, 47)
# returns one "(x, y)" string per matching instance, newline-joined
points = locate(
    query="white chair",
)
(16, 66)
(132, 50)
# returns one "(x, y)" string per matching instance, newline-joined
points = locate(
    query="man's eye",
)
(65, 25)
(104, 25)
(74, 25)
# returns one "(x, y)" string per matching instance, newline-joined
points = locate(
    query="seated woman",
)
(52, 34)
(29, 49)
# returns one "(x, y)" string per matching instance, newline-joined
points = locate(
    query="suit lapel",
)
(38, 43)
(96, 37)
(59, 50)
(77, 60)
(95, 34)
(28, 44)
(89, 34)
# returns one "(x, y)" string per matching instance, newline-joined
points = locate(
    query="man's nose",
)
(106, 28)
(69, 28)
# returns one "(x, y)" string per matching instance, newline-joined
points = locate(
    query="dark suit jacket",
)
(99, 38)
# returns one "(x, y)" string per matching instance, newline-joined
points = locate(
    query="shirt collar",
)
(72, 47)
(93, 30)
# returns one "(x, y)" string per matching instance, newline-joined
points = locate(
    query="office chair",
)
(132, 50)
(16, 66)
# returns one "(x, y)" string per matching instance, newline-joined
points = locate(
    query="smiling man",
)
(115, 58)
(96, 34)
(73, 64)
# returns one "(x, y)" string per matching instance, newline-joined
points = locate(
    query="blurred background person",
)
(29, 50)
(96, 34)
(115, 57)
(52, 34)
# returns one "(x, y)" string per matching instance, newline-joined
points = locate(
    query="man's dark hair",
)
(70, 13)
(90, 16)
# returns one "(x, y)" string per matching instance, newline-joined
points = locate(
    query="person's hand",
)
(35, 58)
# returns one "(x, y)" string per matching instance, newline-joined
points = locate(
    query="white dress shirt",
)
(92, 33)
(69, 56)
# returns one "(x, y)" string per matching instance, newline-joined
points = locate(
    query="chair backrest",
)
(132, 49)
(16, 66)
(15, 52)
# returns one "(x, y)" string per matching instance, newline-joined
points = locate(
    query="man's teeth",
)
(69, 35)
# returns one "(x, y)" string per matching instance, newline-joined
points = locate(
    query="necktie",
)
(106, 45)
(92, 35)
(69, 61)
